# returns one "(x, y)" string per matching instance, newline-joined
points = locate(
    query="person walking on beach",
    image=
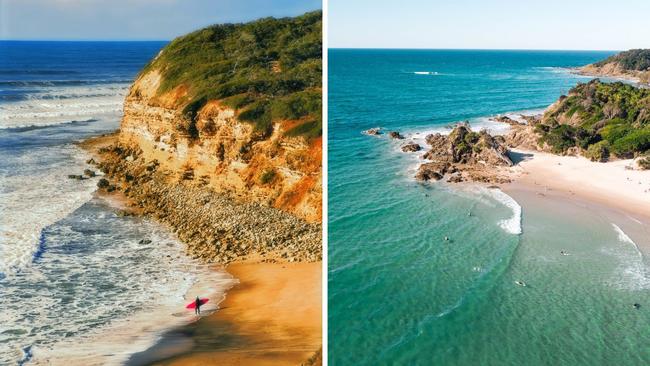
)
(197, 308)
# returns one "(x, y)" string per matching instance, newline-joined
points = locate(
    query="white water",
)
(99, 292)
(35, 192)
(57, 105)
(633, 271)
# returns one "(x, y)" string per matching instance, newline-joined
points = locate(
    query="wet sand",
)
(272, 317)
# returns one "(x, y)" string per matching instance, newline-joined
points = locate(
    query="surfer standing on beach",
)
(197, 306)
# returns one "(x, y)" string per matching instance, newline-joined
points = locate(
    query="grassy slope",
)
(601, 119)
(269, 69)
(634, 60)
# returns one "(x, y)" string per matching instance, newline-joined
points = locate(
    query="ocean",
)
(79, 284)
(399, 293)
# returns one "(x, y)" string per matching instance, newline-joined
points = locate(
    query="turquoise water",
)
(401, 294)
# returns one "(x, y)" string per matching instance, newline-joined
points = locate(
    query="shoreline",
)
(620, 194)
(257, 279)
(272, 316)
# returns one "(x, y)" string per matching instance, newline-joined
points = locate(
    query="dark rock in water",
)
(395, 135)
(373, 131)
(91, 161)
(89, 173)
(432, 171)
(75, 176)
(144, 241)
(103, 183)
(111, 188)
(411, 147)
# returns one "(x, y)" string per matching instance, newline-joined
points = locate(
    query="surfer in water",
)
(197, 304)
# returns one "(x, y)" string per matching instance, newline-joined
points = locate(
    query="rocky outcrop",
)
(466, 156)
(223, 153)
(216, 227)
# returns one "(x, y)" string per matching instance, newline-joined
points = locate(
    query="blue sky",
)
(490, 24)
(132, 19)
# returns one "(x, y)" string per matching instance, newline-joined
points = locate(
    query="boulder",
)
(395, 135)
(103, 183)
(411, 147)
(89, 173)
(373, 131)
(432, 171)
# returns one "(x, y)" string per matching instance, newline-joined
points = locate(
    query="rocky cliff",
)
(221, 139)
(225, 154)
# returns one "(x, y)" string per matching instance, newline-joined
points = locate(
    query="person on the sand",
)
(197, 308)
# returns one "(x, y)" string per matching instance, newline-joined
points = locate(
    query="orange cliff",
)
(224, 153)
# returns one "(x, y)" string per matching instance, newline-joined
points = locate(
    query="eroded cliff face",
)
(219, 151)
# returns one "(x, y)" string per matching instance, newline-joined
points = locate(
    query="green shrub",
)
(644, 163)
(309, 129)
(560, 139)
(267, 176)
(633, 142)
(598, 151)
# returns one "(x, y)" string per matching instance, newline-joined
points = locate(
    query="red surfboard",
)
(192, 305)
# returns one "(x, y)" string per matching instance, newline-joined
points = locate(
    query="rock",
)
(373, 131)
(508, 120)
(464, 151)
(75, 176)
(91, 161)
(431, 171)
(103, 183)
(411, 147)
(89, 173)
(395, 135)
(456, 178)
(144, 241)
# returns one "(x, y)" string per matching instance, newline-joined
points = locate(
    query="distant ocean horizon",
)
(399, 293)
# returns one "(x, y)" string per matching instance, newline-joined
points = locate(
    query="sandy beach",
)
(272, 317)
(613, 183)
(612, 188)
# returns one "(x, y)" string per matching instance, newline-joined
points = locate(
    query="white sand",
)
(608, 183)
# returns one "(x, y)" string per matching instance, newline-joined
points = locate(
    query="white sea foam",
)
(633, 268)
(511, 225)
(58, 105)
(89, 314)
(426, 73)
(34, 193)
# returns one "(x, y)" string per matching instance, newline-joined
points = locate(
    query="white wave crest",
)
(426, 73)
(511, 225)
(62, 105)
(633, 268)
